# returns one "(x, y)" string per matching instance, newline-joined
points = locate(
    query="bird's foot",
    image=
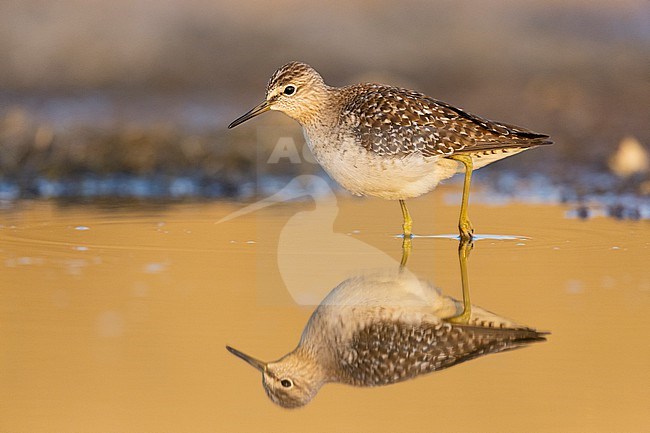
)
(406, 230)
(465, 246)
(466, 230)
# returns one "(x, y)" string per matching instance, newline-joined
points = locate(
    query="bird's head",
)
(290, 382)
(295, 89)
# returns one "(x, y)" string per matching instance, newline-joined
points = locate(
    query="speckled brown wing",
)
(389, 352)
(394, 121)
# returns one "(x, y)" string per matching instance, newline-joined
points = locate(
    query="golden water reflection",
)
(116, 320)
(385, 327)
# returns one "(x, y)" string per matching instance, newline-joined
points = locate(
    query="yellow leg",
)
(406, 251)
(464, 247)
(464, 225)
(408, 222)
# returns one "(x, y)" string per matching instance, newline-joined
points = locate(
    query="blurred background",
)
(132, 98)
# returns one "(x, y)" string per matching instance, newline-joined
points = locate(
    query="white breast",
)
(364, 172)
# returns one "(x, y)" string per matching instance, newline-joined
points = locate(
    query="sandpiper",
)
(383, 328)
(389, 142)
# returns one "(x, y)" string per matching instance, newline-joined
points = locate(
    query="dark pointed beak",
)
(261, 366)
(261, 108)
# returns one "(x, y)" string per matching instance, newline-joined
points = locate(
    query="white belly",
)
(364, 172)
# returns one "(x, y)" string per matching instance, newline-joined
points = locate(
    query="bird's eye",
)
(289, 90)
(287, 383)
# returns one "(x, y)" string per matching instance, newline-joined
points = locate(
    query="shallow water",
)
(115, 317)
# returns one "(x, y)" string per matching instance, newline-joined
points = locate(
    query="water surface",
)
(115, 318)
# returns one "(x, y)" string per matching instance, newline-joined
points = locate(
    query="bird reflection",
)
(386, 327)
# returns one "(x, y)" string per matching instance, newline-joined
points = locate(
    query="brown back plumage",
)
(387, 352)
(393, 121)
